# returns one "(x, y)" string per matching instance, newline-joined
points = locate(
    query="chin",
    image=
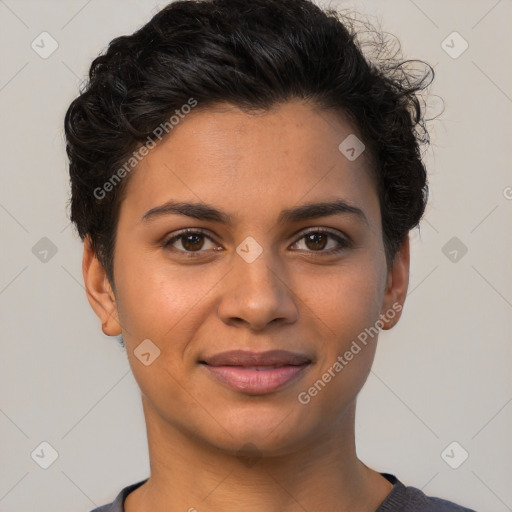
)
(266, 433)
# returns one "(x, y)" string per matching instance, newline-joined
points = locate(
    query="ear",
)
(99, 292)
(396, 287)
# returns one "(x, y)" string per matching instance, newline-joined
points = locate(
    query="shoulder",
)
(401, 499)
(118, 504)
(410, 499)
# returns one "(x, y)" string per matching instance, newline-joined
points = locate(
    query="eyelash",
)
(342, 241)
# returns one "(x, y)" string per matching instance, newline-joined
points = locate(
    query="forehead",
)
(243, 162)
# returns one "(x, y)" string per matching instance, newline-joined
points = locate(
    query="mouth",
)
(256, 373)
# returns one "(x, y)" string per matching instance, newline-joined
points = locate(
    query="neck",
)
(189, 475)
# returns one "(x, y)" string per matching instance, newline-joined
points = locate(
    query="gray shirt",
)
(400, 499)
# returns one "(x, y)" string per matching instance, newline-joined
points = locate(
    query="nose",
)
(257, 293)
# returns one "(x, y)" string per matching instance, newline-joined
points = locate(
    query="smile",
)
(256, 373)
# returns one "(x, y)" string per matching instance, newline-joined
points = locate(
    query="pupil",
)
(317, 245)
(193, 244)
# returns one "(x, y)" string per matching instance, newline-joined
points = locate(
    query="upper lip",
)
(246, 358)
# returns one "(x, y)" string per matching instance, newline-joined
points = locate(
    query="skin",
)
(294, 296)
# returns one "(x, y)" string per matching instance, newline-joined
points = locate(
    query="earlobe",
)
(396, 287)
(99, 292)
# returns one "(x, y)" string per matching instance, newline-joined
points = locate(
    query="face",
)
(259, 270)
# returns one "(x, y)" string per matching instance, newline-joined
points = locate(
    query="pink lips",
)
(256, 373)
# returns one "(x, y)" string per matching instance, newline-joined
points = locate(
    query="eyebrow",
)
(202, 211)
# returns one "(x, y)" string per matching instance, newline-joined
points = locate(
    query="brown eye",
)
(317, 241)
(191, 241)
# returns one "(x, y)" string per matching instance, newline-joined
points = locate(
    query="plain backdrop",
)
(441, 376)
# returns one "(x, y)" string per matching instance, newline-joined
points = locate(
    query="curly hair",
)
(253, 55)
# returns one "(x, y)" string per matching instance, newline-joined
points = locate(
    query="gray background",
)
(443, 374)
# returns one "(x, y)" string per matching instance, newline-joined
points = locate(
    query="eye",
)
(191, 241)
(316, 240)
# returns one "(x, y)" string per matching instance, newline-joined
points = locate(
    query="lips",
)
(272, 358)
(256, 373)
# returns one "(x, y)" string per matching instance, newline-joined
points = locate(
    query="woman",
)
(244, 182)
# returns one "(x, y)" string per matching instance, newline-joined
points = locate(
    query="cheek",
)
(347, 300)
(344, 310)
(156, 299)
(344, 321)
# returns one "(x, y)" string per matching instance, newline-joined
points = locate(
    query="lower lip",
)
(256, 382)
